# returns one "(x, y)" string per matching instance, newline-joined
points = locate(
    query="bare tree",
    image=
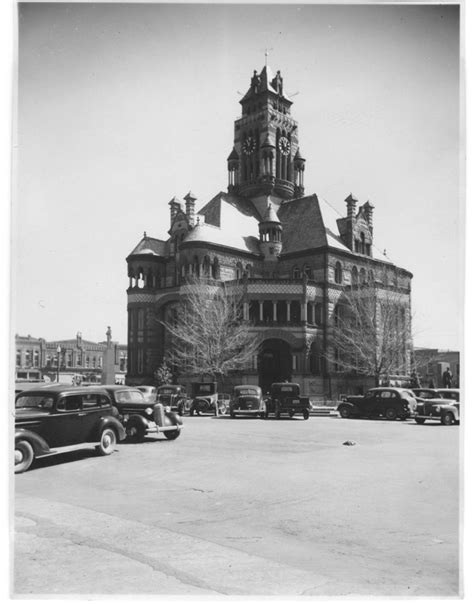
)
(208, 335)
(371, 332)
(163, 374)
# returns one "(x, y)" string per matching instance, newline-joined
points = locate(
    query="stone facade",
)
(289, 253)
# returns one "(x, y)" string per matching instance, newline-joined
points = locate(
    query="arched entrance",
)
(274, 363)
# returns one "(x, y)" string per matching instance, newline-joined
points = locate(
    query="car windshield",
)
(34, 402)
(129, 396)
(409, 393)
(204, 389)
(246, 392)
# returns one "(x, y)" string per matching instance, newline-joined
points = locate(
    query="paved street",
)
(247, 507)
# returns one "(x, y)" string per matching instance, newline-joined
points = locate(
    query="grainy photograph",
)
(237, 263)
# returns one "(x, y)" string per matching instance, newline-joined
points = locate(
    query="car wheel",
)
(344, 412)
(108, 440)
(24, 456)
(305, 414)
(391, 413)
(420, 420)
(447, 419)
(232, 414)
(222, 409)
(135, 432)
(191, 411)
(172, 434)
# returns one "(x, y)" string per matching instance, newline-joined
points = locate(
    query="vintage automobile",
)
(149, 392)
(451, 393)
(205, 399)
(444, 410)
(247, 400)
(61, 416)
(173, 396)
(140, 417)
(285, 398)
(388, 402)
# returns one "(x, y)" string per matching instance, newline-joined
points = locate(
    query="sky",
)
(120, 107)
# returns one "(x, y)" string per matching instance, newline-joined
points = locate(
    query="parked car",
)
(391, 403)
(140, 417)
(149, 392)
(47, 418)
(451, 393)
(444, 410)
(205, 399)
(285, 398)
(172, 396)
(247, 400)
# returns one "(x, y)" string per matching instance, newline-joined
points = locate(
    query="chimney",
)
(351, 206)
(369, 212)
(190, 200)
(175, 206)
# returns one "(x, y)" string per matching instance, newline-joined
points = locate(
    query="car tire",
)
(420, 420)
(447, 419)
(345, 412)
(232, 414)
(191, 412)
(305, 414)
(108, 440)
(391, 414)
(24, 456)
(135, 432)
(222, 409)
(172, 434)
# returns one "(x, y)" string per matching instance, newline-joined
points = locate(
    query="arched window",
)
(338, 273)
(318, 314)
(308, 271)
(238, 271)
(337, 315)
(362, 276)
(248, 270)
(354, 275)
(296, 273)
(371, 276)
(215, 269)
(315, 359)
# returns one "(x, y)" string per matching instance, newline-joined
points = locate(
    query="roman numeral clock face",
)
(284, 145)
(248, 146)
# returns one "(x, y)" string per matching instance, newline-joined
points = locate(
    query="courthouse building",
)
(290, 253)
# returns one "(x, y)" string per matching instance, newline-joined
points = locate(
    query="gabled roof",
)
(228, 221)
(149, 245)
(303, 224)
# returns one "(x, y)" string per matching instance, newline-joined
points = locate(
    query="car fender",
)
(349, 405)
(40, 446)
(173, 418)
(450, 409)
(107, 422)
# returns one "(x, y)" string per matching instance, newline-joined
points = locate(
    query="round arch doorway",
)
(274, 363)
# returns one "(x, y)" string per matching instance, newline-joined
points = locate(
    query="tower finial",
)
(267, 51)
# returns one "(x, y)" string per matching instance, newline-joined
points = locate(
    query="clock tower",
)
(265, 159)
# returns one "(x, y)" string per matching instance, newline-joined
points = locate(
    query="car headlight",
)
(149, 411)
(167, 408)
(436, 409)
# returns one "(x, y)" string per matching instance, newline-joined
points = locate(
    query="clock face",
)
(284, 145)
(248, 145)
